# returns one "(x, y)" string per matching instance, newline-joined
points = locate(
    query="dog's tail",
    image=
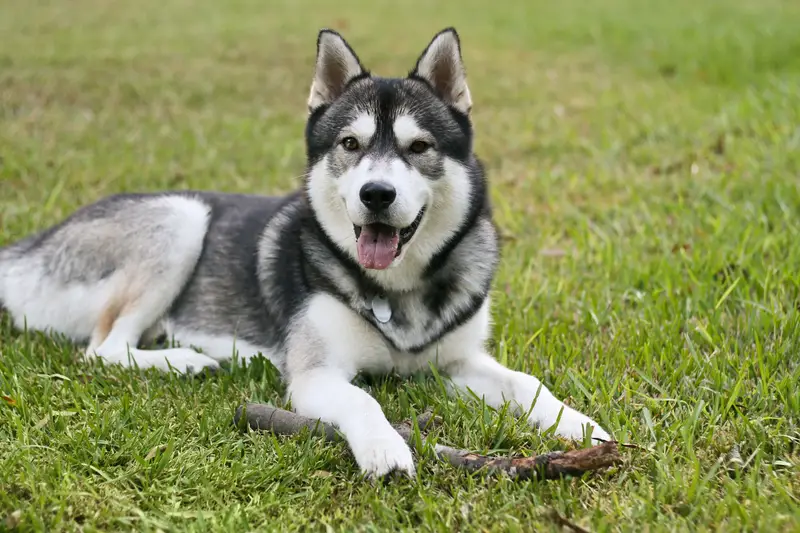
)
(7, 255)
(10, 255)
(4, 260)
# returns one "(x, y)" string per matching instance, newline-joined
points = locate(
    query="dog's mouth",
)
(380, 244)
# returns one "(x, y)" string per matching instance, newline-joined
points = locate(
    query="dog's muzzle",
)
(379, 244)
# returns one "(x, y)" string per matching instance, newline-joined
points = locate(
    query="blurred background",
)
(101, 96)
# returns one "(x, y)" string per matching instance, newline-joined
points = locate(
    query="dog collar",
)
(381, 309)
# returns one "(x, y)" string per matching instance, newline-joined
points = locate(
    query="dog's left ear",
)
(336, 65)
(442, 67)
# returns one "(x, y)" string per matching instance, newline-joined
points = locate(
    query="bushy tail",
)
(5, 265)
(10, 254)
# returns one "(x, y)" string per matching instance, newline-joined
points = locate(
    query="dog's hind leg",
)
(108, 274)
(146, 294)
(117, 334)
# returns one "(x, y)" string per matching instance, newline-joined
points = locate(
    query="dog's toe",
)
(394, 475)
(383, 454)
(574, 425)
(204, 372)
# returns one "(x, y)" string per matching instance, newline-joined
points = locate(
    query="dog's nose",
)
(377, 196)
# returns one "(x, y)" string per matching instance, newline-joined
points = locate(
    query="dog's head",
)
(391, 171)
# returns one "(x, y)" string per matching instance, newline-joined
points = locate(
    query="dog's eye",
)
(419, 147)
(350, 144)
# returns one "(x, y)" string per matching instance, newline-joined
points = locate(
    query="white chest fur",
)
(335, 335)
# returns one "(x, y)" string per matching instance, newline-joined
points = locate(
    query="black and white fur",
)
(282, 276)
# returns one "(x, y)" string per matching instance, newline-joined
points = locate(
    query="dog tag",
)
(381, 309)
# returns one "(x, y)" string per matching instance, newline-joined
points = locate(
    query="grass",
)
(645, 168)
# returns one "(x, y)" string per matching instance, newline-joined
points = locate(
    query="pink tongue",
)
(377, 246)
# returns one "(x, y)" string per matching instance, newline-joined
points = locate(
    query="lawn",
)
(645, 166)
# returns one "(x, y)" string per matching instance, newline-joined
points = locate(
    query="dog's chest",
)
(412, 322)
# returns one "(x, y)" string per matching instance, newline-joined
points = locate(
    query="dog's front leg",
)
(325, 347)
(497, 384)
(327, 395)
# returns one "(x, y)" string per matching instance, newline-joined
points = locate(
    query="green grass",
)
(645, 167)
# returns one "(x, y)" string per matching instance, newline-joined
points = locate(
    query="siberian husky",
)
(382, 261)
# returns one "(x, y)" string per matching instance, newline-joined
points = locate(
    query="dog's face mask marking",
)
(387, 156)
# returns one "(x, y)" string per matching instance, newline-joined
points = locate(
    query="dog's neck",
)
(445, 294)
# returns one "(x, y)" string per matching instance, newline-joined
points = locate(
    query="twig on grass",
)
(563, 522)
(552, 465)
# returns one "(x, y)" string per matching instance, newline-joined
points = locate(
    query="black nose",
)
(377, 196)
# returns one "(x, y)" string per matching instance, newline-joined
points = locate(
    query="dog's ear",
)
(442, 67)
(336, 65)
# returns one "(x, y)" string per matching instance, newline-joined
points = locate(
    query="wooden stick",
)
(563, 522)
(553, 465)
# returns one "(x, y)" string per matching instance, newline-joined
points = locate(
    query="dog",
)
(382, 261)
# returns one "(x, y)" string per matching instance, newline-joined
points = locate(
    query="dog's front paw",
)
(573, 425)
(381, 453)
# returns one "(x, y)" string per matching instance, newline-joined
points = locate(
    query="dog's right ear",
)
(336, 65)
